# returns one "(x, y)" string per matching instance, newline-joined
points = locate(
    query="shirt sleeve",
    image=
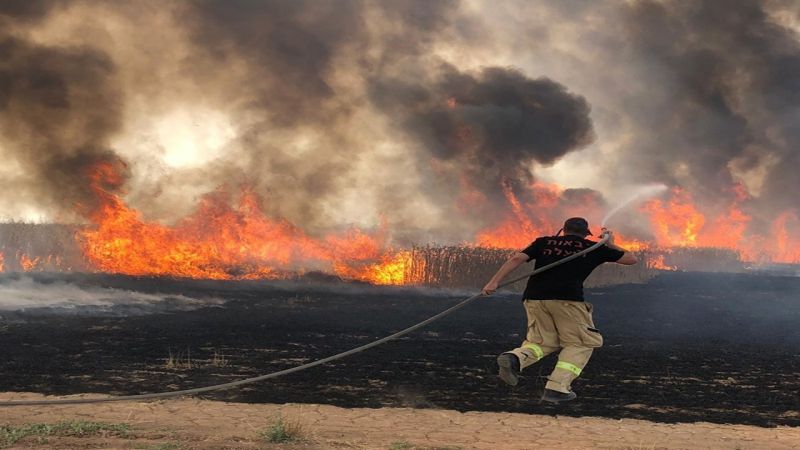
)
(607, 254)
(533, 250)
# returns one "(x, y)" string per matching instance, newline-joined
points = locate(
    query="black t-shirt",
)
(564, 282)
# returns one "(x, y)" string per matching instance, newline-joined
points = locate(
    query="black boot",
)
(509, 368)
(557, 397)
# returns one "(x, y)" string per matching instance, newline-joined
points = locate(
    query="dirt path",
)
(202, 424)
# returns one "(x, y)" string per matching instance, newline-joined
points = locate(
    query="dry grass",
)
(471, 267)
(704, 259)
(183, 360)
(41, 247)
(10, 435)
(610, 274)
(180, 360)
(281, 431)
(453, 266)
(218, 359)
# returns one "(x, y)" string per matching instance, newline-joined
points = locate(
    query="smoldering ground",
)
(684, 347)
(87, 294)
(65, 296)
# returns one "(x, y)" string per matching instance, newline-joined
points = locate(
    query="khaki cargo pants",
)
(559, 325)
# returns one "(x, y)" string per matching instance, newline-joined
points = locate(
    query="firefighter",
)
(558, 316)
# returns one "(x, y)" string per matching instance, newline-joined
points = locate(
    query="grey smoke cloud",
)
(289, 47)
(730, 77)
(349, 109)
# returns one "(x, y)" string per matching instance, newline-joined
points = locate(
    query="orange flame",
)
(674, 222)
(219, 241)
(391, 269)
(785, 247)
(41, 263)
(657, 262)
(520, 227)
(630, 244)
(35, 263)
(28, 263)
(230, 237)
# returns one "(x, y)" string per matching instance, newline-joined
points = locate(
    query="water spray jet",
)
(640, 193)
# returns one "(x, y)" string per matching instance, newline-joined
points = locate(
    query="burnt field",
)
(684, 347)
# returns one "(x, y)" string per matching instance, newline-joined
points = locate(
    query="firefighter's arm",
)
(507, 267)
(627, 258)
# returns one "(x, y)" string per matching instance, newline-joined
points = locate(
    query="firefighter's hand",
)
(490, 288)
(607, 232)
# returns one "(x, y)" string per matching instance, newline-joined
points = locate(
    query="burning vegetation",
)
(229, 236)
(356, 133)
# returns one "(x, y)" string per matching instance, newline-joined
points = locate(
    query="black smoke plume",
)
(489, 126)
(58, 109)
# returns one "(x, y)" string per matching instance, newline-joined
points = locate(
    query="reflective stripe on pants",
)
(555, 325)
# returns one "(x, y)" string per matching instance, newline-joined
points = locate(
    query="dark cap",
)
(577, 225)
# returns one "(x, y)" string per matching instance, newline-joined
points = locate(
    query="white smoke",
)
(26, 294)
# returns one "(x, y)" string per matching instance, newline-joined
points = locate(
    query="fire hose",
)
(156, 395)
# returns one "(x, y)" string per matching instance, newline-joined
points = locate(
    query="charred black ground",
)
(684, 347)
